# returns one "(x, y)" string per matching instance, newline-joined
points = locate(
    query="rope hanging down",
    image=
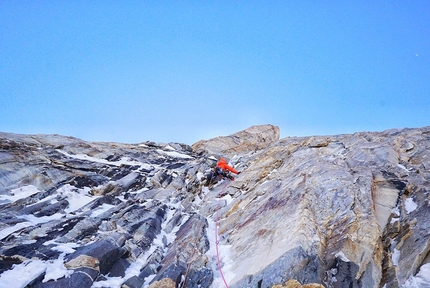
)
(216, 235)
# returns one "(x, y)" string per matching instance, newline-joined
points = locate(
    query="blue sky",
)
(182, 71)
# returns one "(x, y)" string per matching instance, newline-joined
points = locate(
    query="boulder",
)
(164, 283)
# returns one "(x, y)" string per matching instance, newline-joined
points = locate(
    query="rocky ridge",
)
(338, 211)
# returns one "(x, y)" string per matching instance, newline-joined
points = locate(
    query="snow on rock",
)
(395, 257)
(410, 205)
(21, 275)
(175, 154)
(223, 269)
(342, 256)
(77, 198)
(420, 280)
(55, 269)
(19, 193)
(340, 211)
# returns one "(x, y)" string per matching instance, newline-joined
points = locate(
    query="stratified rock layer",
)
(253, 139)
(337, 211)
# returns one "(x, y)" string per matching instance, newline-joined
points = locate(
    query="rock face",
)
(332, 211)
(249, 140)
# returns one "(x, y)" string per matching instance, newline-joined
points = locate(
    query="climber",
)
(223, 169)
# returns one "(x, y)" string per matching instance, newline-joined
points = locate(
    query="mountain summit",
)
(321, 211)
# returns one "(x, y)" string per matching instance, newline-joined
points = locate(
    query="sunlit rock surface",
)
(328, 211)
(249, 140)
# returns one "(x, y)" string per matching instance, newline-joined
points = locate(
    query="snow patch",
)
(342, 256)
(20, 193)
(77, 198)
(122, 161)
(55, 269)
(395, 257)
(394, 220)
(170, 237)
(9, 230)
(410, 205)
(421, 280)
(66, 248)
(22, 274)
(226, 262)
(395, 211)
(31, 221)
(135, 268)
(100, 210)
(174, 154)
(404, 168)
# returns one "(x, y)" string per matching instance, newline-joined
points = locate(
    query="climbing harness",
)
(216, 234)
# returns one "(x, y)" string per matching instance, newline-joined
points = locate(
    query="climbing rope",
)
(216, 234)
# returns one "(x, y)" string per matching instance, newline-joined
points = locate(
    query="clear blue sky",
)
(182, 71)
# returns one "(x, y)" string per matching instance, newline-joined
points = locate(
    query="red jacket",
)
(224, 166)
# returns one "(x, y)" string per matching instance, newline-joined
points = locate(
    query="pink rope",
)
(216, 235)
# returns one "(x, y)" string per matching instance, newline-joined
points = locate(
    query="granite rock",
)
(328, 211)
